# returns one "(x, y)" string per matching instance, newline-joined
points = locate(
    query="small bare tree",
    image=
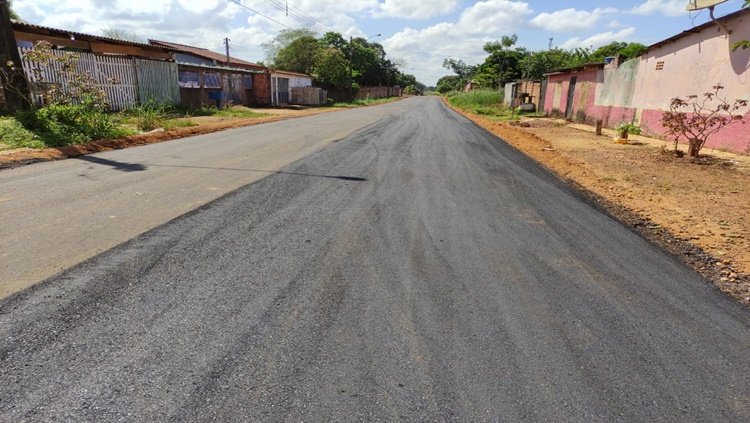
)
(695, 119)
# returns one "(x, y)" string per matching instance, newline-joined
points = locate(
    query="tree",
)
(545, 61)
(633, 50)
(121, 34)
(13, 83)
(697, 119)
(298, 56)
(13, 14)
(335, 40)
(743, 44)
(283, 40)
(503, 64)
(331, 67)
(449, 83)
(459, 68)
(625, 50)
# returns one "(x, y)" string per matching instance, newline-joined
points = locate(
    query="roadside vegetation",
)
(505, 62)
(488, 103)
(77, 110)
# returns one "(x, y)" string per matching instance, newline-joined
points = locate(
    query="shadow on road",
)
(125, 167)
(343, 178)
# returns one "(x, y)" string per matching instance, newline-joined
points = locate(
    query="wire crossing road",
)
(417, 270)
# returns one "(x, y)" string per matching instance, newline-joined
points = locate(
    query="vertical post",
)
(16, 88)
(351, 53)
(230, 96)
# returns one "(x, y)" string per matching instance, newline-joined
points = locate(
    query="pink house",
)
(639, 90)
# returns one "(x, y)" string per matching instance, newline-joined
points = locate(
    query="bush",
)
(149, 115)
(481, 102)
(14, 135)
(63, 124)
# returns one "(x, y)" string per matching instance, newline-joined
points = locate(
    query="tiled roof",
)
(304, 75)
(207, 54)
(19, 24)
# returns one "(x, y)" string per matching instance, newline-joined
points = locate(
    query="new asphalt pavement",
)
(418, 269)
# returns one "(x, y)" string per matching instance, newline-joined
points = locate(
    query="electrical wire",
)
(258, 13)
(300, 15)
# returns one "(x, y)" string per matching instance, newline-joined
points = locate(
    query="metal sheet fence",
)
(126, 80)
(157, 81)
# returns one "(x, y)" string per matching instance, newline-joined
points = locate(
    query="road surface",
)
(417, 270)
(55, 215)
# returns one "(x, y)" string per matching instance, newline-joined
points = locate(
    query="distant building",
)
(639, 90)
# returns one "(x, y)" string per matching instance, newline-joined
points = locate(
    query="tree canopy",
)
(506, 63)
(13, 14)
(121, 34)
(328, 58)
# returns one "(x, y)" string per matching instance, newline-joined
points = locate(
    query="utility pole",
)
(230, 94)
(15, 86)
(351, 52)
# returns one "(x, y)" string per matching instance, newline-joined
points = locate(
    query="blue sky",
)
(417, 33)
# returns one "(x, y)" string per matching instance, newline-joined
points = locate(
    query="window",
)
(189, 79)
(211, 80)
(248, 82)
(659, 65)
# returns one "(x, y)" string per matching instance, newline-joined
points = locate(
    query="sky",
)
(418, 34)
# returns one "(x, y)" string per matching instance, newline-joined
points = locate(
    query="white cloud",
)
(494, 17)
(570, 20)
(425, 49)
(415, 9)
(599, 40)
(664, 7)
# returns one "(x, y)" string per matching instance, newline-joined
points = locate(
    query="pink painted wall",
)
(585, 108)
(733, 137)
(691, 64)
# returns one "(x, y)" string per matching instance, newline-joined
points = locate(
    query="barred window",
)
(189, 79)
(211, 80)
(248, 82)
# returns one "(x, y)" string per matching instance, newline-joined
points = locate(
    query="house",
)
(526, 93)
(206, 77)
(282, 83)
(129, 72)
(201, 56)
(640, 90)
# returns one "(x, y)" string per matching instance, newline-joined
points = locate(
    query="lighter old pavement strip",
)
(418, 270)
(58, 214)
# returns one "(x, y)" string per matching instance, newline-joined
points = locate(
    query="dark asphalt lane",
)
(418, 270)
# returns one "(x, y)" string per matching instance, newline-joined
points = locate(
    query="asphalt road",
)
(55, 215)
(417, 270)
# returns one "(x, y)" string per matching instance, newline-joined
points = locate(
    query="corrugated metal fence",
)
(157, 81)
(138, 80)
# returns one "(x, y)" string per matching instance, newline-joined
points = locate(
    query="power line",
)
(258, 13)
(298, 14)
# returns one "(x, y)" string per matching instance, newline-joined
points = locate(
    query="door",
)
(571, 93)
(542, 96)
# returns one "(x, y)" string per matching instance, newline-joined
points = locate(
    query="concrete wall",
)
(309, 96)
(639, 90)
